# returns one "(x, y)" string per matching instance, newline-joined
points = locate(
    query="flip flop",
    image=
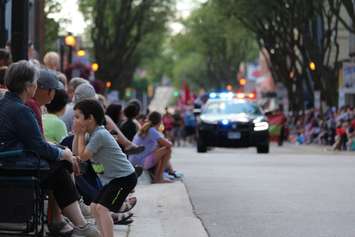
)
(128, 205)
(119, 219)
(126, 222)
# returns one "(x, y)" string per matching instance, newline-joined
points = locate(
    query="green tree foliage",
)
(123, 33)
(295, 33)
(51, 26)
(208, 53)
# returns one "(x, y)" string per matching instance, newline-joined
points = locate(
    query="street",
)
(293, 191)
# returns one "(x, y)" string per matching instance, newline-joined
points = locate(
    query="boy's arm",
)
(79, 147)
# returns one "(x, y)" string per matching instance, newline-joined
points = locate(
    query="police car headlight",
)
(261, 126)
(209, 121)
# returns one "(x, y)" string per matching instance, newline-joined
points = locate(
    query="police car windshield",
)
(231, 107)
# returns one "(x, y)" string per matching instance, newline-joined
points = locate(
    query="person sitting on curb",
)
(119, 178)
(130, 126)
(23, 132)
(54, 128)
(87, 91)
(157, 151)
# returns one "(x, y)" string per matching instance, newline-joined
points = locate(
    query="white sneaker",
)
(85, 209)
(89, 230)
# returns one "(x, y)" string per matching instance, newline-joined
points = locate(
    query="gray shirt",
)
(107, 152)
(68, 116)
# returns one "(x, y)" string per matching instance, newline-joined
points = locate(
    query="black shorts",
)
(113, 194)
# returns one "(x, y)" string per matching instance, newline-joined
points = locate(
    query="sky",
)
(77, 25)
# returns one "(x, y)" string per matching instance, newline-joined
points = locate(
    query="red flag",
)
(187, 93)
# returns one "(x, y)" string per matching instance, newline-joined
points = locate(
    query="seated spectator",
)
(68, 116)
(119, 178)
(157, 151)
(2, 83)
(87, 91)
(4, 58)
(351, 139)
(300, 138)
(54, 128)
(130, 126)
(340, 138)
(114, 111)
(22, 132)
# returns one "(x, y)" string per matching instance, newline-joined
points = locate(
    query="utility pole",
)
(19, 30)
(3, 35)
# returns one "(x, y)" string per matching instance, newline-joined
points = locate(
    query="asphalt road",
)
(294, 191)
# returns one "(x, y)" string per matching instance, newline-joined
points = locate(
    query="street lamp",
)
(70, 41)
(312, 66)
(242, 81)
(95, 67)
(81, 53)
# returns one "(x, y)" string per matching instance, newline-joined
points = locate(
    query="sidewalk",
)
(162, 210)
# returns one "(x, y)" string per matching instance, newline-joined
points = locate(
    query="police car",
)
(232, 120)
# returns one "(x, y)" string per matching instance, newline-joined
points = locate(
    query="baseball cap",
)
(83, 92)
(48, 80)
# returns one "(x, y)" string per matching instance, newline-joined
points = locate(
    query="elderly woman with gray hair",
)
(20, 130)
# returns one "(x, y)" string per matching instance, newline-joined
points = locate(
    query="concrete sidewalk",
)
(162, 210)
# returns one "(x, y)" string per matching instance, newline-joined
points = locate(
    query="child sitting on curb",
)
(157, 151)
(118, 178)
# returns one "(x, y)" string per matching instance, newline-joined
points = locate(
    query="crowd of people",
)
(95, 151)
(335, 127)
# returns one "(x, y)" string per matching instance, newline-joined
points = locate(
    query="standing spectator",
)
(168, 121)
(52, 61)
(190, 126)
(177, 128)
(54, 128)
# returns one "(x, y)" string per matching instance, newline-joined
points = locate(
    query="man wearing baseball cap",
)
(46, 85)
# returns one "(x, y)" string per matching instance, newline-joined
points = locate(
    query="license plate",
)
(234, 135)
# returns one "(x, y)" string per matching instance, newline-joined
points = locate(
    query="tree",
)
(52, 26)
(209, 52)
(295, 33)
(118, 29)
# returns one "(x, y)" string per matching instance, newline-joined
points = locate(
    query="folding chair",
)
(22, 198)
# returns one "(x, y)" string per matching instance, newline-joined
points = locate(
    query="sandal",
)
(118, 219)
(128, 205)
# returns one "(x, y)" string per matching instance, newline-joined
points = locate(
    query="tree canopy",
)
(118, 31)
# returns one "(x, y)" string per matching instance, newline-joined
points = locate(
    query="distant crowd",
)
(335, 127)
(95, 150)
